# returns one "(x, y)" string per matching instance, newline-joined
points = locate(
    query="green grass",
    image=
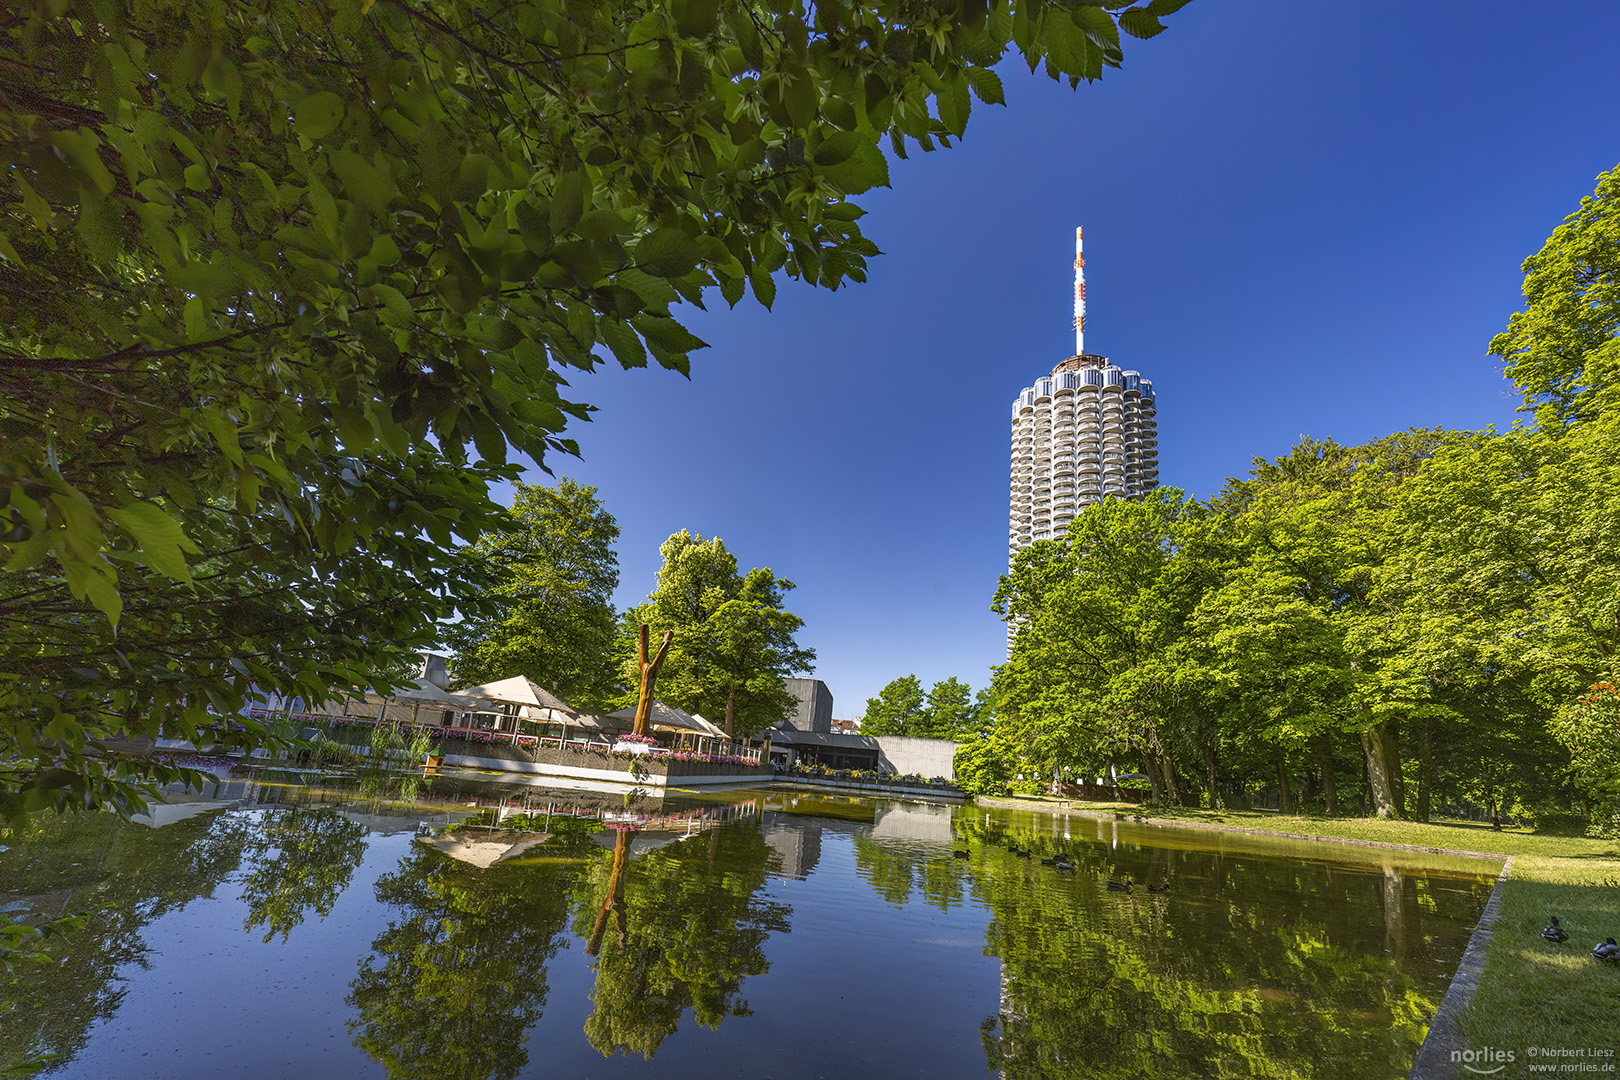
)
(1441, 833)
(1531, 993)
(1536, 994)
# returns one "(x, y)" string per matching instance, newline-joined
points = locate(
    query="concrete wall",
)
(921, 757)
(814, 711)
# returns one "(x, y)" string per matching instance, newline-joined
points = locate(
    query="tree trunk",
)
(1375, 747)
(649, 677)
(613, 902)
(1392, 757)
(1209, 767)
(1152, 775)
(1330, 786)
(731, 711)
(1425, 771)
(1282, 782)
(1171, 793)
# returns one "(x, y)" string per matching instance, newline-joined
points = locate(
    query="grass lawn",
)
(1532, 994)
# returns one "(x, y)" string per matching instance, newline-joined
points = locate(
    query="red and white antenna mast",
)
(1079, 294)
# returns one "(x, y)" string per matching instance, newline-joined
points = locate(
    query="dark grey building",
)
(814, 711)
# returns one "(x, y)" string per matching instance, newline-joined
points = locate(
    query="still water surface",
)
(292, 929)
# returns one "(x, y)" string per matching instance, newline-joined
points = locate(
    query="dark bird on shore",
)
(1158, 888)
(1608, 950)
(1116, 886)
(1554, 933)
(959, 854)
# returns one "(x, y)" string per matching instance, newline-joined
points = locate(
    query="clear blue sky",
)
(1301, 218)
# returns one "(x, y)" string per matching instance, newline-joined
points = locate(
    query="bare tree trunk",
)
(1375, 747)
(613, 902)
(1209, 766)
(649, 677)
(1330, 787)
(731, 710)
(1425, 771)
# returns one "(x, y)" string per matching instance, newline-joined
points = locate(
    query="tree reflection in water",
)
(458, 980)
(680, 927)
(125, 876)
(301, 859)
(1249, 967)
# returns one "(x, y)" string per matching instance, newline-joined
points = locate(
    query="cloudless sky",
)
(1301, 219)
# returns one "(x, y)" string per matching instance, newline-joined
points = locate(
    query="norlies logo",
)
(1484, 1061)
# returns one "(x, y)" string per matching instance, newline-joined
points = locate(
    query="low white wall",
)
(919, 757)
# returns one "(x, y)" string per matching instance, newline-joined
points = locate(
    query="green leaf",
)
(955, 105)
(224, 433)
(362, 182)
(317, 115)
(986, 86)
(159, 537)
(838, 147)
(626, 346)
(666, 252)
(1140, 23)
(568, 200)
(800, 98)
(655, 291)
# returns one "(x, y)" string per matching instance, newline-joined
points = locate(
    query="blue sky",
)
(1301, 219)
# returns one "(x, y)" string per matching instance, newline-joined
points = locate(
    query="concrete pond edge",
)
(1434, 1060)
(1210, 826)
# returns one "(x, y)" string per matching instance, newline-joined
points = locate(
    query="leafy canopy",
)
(273, 275)
(1563, 349)
(733, 643)
(555, 570)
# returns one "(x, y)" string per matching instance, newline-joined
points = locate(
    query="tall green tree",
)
(1563, 349)
(1309, 626)
(1094, 669)
(555, 569)
(897, 709)
(952, 712)
(272, 274)
(734, 641)
(947, 711)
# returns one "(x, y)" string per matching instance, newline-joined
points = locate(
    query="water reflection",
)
(1248, 965)
(126, 876)
(302, 859)
(448, 960)
(678, 929)
(459, 976)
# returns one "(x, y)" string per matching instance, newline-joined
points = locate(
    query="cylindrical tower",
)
(1085, 432)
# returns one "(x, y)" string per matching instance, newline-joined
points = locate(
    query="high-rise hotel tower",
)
(1084, 432)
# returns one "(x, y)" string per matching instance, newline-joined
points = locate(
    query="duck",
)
(1065, 868)
(1049, 862)
(959, 854)
(1116, 886)
(1606, 950)
(1158, 888)
(1022, 854)
(1554, 933)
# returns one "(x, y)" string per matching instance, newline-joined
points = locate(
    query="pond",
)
(303, 926)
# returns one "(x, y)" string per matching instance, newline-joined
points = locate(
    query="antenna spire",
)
(1079, 295)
